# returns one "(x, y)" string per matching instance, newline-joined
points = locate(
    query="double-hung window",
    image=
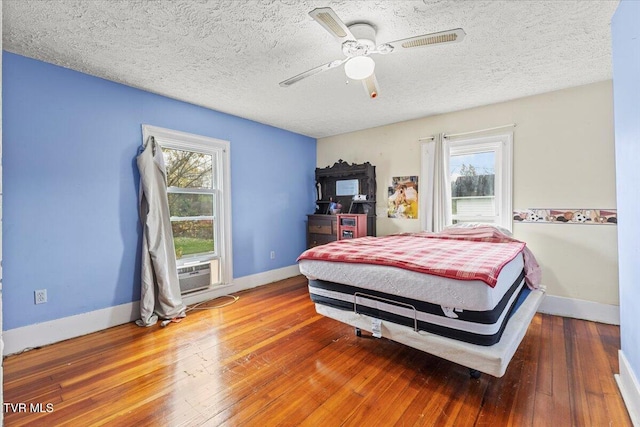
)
(478, 172)
(192, 201)
(197, 170)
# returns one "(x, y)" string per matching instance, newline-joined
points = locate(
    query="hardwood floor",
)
(269, 359)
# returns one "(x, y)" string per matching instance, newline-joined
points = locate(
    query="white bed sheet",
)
(458, 294)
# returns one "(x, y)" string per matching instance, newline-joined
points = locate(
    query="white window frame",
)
(220, 151)
(502, 145)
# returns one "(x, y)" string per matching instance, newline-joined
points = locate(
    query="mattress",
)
(472, 326)
(457, 294)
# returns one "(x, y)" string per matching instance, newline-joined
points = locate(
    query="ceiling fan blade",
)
(442, 37)
(311, 72)
(371, 86)
(326, 17)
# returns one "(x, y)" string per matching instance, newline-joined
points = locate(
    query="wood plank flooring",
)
(269, 359)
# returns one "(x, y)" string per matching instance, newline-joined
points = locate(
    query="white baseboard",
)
(629, 388)
(243, 283)
(39, 334)
(580, 309)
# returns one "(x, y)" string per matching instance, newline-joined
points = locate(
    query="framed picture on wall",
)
(403, 197)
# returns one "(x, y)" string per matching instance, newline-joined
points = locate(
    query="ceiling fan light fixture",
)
(359, 68)
(358, 41)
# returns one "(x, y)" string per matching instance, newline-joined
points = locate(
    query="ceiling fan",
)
(359, 42)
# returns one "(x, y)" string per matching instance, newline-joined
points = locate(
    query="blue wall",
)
(70, 188)
(626, 102)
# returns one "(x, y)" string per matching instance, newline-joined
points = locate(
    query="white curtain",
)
(160, 289)
(441, 190)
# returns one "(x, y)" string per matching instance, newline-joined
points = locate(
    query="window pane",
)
(473, 184)
(181, 204)
(192, 237)
(468, 221)
(188, 169)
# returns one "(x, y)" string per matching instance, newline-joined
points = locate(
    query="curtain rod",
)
(426, 138)
(479, 131)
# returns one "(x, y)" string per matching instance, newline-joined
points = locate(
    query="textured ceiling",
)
(230, 55)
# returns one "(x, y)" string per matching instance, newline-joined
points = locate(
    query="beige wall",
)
(563, 158)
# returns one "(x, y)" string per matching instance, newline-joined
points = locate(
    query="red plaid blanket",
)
(463, 254)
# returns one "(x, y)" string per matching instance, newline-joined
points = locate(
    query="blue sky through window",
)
(484, 163)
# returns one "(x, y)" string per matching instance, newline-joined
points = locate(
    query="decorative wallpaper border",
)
(568, 216)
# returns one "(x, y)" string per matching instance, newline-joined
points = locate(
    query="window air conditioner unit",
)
(197, 276)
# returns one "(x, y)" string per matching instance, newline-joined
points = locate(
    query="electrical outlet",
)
(40, 296)
(273, 255)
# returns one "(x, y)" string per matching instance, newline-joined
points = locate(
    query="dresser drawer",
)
(320, 226)
(320, 239)
(321, 229)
